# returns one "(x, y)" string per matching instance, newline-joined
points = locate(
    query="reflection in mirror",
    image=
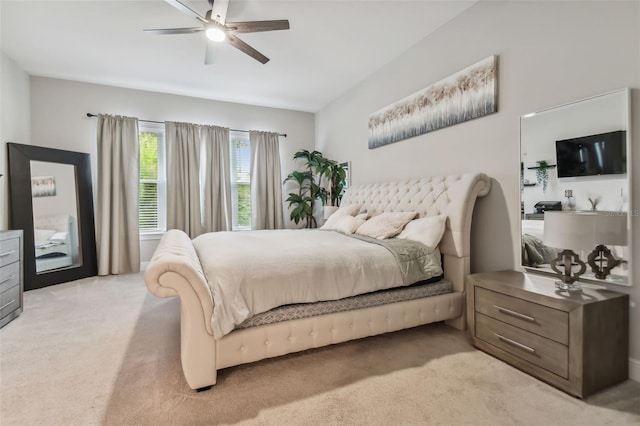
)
(576, 158)
(51, 200)
(55, 216)
(347, 168)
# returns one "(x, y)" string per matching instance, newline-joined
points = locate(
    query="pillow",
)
(348, 224)
(42, 235)
(58, 236)
(427, 230)
(350, 210)
(385, 225)
(363, 216)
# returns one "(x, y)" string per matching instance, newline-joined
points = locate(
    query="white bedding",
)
(251, 272)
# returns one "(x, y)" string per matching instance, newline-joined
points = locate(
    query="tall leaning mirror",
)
(576, 189)
(51, 201)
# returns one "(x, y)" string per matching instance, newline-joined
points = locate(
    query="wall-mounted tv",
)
(602, 154)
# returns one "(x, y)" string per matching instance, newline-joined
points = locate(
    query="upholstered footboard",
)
(174, 270)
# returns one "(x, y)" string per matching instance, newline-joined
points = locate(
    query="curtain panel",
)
(183, 177)
(117, 225)
(266, 185)
(198, 178)
(217, 211)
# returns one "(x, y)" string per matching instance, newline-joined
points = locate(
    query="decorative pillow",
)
(385, 225)
(59, 236)
(42, 235)
(427, 230)
(348, 224)
(363, 216)
(350, 210)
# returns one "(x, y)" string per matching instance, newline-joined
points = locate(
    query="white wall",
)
(550, 53)
(59, 107)
(15, 121)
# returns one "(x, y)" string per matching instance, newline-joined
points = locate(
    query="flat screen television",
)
(602, 154)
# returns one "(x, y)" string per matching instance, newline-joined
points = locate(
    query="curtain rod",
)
(162, 122)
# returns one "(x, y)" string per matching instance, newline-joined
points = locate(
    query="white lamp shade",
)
(611, 228)
(570, 230)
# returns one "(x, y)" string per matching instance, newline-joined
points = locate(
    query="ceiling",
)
(331, 46)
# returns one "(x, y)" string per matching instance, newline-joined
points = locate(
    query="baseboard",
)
(143, 266)
(634, 369)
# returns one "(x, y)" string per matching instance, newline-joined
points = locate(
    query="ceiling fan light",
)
(215, 34)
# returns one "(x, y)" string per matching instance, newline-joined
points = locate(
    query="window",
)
(152, 205)
(240, 180)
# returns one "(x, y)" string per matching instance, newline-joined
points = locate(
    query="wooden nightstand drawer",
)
(542, 320)
(589, 345)
(545, 353)
(9, 276)
(9, 300)
(9, 251)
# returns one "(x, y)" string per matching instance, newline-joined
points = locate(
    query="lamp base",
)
(568, 287)
(602, 261)
(568, 277)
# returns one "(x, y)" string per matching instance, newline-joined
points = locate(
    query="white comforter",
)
(255, 271)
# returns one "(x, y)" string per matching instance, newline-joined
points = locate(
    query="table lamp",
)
(569, 231)
(611, 229)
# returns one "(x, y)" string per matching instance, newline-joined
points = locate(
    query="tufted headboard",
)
(453, 196)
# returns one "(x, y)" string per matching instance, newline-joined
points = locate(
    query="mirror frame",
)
(630, 174)
(21, 211)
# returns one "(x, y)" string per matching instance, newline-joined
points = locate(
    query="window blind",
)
(152, 181)
(240, 180)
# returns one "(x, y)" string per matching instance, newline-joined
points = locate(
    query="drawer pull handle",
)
(7, 279)
(514, 343)
(7, 253)
(514, 313)
(6, 304)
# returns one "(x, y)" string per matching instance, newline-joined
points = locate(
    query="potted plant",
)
(303, 202)
(542, 174)
(322, 180)
(331, 194)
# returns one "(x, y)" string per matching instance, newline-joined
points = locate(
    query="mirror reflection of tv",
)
(602, 154)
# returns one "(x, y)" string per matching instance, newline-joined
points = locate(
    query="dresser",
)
(577, 342)
(11, 277)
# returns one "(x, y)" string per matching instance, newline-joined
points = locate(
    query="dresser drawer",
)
(9, 276)
(545, 353)
(9, 301)
(541, 320)
(9, 251)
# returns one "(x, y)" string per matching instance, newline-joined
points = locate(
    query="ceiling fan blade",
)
(175, 30)
(241, 45)
(210, 52)
(186, 9)
(258, 26)
(219, 10)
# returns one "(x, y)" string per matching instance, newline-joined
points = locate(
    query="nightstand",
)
(577, 342)
(10, 275)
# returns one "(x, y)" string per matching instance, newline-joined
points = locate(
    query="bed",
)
(534, 252)
(212, 339)
(54, 238)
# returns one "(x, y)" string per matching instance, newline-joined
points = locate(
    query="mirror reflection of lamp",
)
(569, 231)
(610, 229)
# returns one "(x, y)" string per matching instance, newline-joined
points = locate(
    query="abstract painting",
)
(463, 96)
(43, 186)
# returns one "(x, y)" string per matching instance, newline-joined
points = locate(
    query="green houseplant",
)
(323, 179)
(542, 174)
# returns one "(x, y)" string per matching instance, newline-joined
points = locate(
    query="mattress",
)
(377, 298)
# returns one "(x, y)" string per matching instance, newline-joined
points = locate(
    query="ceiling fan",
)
(217, 30)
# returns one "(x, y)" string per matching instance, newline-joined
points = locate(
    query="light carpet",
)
(105, 351)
